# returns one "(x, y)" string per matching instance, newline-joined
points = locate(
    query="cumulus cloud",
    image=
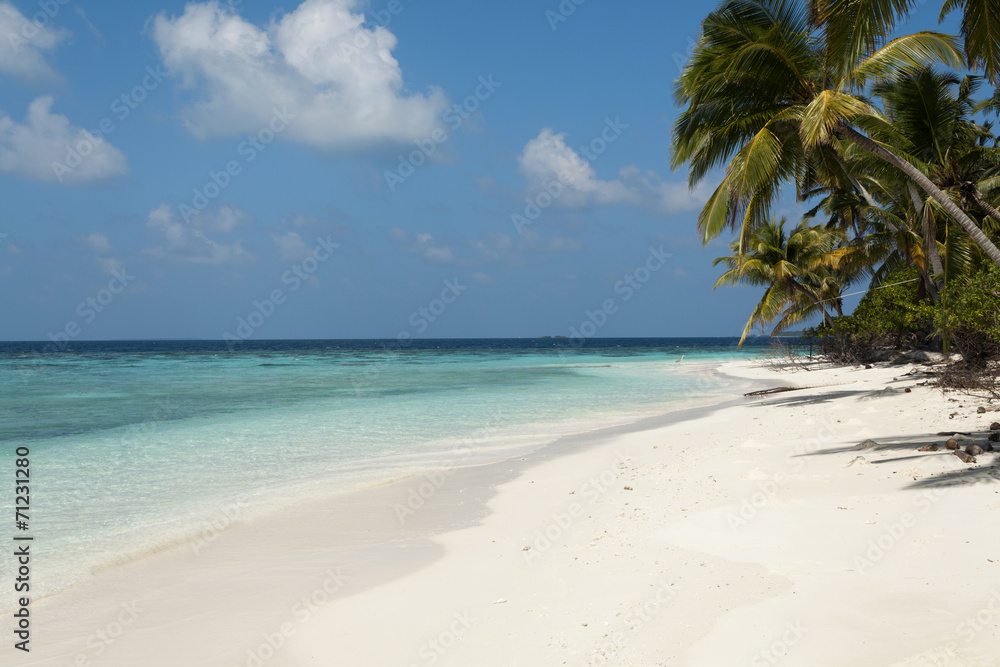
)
(225, 218)
(424, 245)
(25, 44)
(492, 247)
(188, 244)
(547, 159)
(99, 243)
(98, 37)
(335, 75)
(110, 265)
(47, 147)
(291, 247)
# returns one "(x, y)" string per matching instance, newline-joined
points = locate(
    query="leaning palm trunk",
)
(827, 320)
(925, 183)
(930, 236)
(980, 200)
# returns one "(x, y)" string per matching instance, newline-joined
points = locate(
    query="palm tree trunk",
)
(928, 283)
(827, 320)
(925, 183)
(930, 240)
(871, 202)
(983, 204)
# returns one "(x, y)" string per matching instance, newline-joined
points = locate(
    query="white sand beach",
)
(754, 534)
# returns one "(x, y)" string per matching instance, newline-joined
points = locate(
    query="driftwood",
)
(775, 390)
(966, 458)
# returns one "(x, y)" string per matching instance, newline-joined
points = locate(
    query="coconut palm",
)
(930, 115)
(765, 91)
(854, 27)
(797, 269)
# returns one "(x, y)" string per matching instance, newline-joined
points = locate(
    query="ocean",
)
(138, 445)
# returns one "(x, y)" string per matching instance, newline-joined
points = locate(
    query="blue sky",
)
(349, 170)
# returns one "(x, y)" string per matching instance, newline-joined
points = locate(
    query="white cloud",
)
(110, 265)
(547, 158)
(38, 148)
(98, 243)
(98, 37)
(424, 245)
(24, 44)
(189, 245)
(291, 247)
(225, 218)
(335, 75)
(491, 247)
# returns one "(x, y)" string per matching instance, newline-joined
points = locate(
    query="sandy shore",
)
(751, 534)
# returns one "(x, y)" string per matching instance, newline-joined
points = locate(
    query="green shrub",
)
(966, 320)
(968, 317)
(885, 320)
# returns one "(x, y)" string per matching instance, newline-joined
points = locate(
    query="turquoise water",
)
(132, 449)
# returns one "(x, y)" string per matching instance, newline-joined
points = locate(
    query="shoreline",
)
(445, 510)
(356, 477)
(607, 528)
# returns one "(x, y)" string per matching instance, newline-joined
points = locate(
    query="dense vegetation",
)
(887, 139)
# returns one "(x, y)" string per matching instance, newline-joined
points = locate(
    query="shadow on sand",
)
(893, 449)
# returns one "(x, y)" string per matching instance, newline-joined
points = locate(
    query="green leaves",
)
(827, 109)
(905, 53)
(981, 30)
(854, 29)
(775, 92)
(797, 270)
(714, 217)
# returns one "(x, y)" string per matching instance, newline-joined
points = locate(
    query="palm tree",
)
(764, 92)
(930, 115)
(797, 269)
(854, 26)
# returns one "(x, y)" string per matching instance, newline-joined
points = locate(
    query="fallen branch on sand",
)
(775, 390)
